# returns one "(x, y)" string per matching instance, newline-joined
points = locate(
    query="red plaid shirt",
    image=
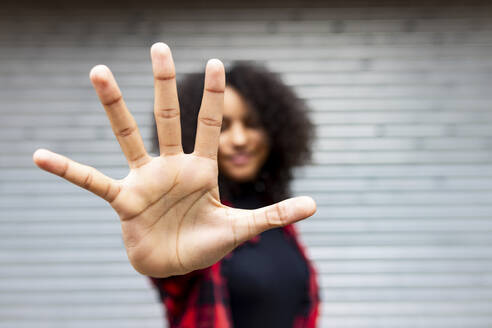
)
(200, 298)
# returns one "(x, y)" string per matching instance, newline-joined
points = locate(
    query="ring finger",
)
(124, 126)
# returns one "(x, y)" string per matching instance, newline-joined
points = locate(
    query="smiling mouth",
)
(240, 159)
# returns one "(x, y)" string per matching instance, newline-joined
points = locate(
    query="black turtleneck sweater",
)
(268, 280)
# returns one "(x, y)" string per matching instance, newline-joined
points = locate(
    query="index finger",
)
(212, 107)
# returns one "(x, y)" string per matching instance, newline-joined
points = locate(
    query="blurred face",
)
(243, 145)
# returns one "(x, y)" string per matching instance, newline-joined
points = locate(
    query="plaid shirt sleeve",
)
(200, 298)
(197, 299)
(308, 318)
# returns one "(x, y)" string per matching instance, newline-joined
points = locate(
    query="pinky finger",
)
(83, 176)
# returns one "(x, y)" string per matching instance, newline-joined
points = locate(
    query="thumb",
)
(249, 223)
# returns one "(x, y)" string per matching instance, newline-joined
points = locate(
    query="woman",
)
(174, 225)
(266, 282)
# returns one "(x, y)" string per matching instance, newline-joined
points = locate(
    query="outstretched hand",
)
(171, 216)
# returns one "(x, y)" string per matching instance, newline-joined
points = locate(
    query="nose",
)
(238, 135)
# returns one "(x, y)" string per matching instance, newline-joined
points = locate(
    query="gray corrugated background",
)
(402, 100)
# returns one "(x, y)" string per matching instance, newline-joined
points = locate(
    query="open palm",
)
(171, 216)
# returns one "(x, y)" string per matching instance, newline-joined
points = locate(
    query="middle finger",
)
(166, 105)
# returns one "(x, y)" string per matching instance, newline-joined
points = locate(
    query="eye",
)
(252, 122)
(225, 124)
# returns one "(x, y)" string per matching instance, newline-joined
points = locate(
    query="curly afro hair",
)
(282, 114)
